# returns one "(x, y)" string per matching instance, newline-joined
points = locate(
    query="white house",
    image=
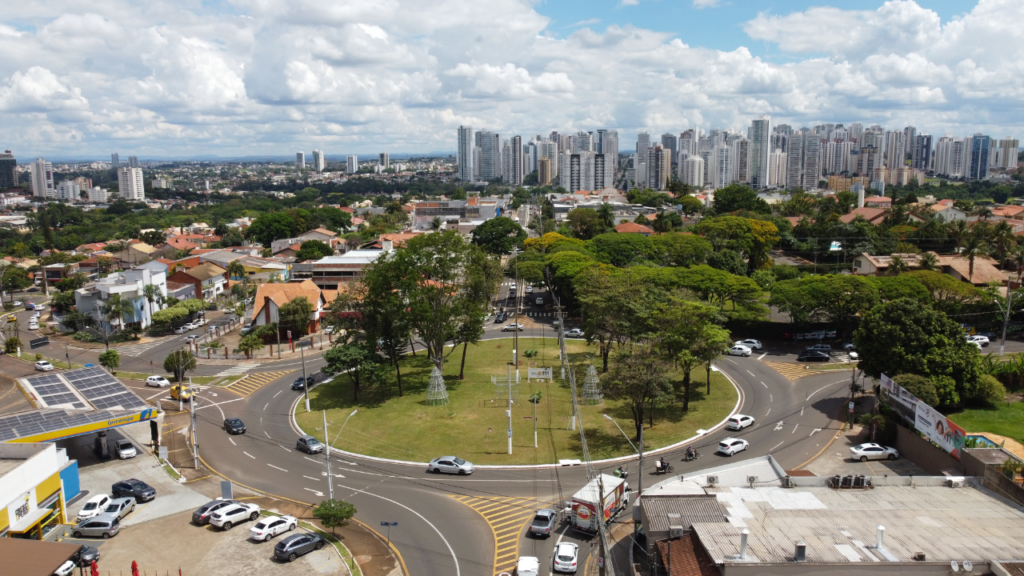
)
(130, 286)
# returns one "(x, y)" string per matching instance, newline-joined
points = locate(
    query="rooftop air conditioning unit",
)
(787, 482)
(956, 483)
(712, 480)
(675, 531)
(751, 479)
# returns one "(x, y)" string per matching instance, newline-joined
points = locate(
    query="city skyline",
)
(262, 79)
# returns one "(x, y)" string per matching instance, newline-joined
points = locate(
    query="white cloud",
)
(274, 76)
(705, 3)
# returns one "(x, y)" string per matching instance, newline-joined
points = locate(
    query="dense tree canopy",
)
(499, 235)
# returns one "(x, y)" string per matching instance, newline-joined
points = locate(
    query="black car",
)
(812, 356)
(234, 426)
(298, 384)
(296, 545)
(85, 556)
(133, 488)
(202, 514)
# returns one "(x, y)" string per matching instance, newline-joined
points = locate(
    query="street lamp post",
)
(305, 384)
(639, 451)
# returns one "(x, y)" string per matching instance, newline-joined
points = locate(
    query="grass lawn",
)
(1004, 420)
(473, 425)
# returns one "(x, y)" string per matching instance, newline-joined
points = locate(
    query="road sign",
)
(389, 523)
(225, 490)
(163, 449)
(39, 342)
(289, 334)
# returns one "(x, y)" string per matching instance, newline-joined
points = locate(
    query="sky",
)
(233, 78)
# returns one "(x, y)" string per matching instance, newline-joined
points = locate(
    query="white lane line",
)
(285, 449)
(731, 360)
(776, 446)
(458, 571)
(813, 431)
(265, 406)
(794, 428)
(281, 469)
(312, 459)
(751, 373)
(154, 395)
(249, 455)
(267, 433)
(765, 385)
(771, 398)
(278, 392)
(779, 425)
(317, 492)
(762, 355)
(820, 389)
(801, 411)
(768, 412)
(232, 440)
(311, 478)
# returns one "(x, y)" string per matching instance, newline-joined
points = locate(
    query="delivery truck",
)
(588, 508)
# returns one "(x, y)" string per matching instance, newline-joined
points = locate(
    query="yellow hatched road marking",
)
(254, 381)
(789, 370)
(506, 517)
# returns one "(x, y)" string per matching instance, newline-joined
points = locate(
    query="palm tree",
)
(983, 213)
(115, 307)
(929, 261)
(607, 215)
(897, 265)
(235, 270)
(1018, 258)
(958, 229)
(973, 248)
(1002, 239)
(151, 293)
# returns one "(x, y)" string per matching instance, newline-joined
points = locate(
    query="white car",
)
(730, 446)
(529, 289)
(872, 451)
(66, 569)
(125, 449)
(44, 366)
(977, 344)
(512, 327)
(33, 325)
(183, 328)
(750, 343)
(199, 322)
(158, 381)
(566, 557)
(93, 507)
(450, 465)
(982, 340)
(17, 303)
(574, 333)
(228, 516)
(739, 422)
(271, 526)
(738, 350)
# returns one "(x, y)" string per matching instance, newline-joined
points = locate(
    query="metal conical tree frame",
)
(437, 394)
(592, 388)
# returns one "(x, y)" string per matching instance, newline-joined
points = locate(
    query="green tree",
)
(621, 250)
(296, 316)
(272, 226)
(13, 279)
(12, 344)
(616, 303)
(679, 249)
(921, 387)
(908, 337)
(110, 360)
(151, 292)
(736, 197)
(682, 326)
(691, 205)
(248, 344)
(585, 223)
(352, 358)
(334, 514)
(973, 248)
(153, 237)
(313, 250)
(638, 376)
(839, 299)
(607, 215)
(63, 301)
(499, 235)
(179, 362)
(116, 308)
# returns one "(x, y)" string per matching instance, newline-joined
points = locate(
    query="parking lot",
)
(836, 460)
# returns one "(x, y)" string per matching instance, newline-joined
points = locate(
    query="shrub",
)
(990, 390)
(12, 344)
(83, 337)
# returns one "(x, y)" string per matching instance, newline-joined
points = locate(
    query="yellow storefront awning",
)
(30, 520)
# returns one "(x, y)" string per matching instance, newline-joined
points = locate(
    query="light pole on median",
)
(327, 451)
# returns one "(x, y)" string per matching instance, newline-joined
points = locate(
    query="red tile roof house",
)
(878, 202)
(633, 228)
(208, 278)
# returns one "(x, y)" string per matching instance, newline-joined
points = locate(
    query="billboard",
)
(539, 373)
(939, 429)
(898, 395)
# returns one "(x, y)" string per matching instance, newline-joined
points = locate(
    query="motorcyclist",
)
(661, 464)
(620, 473)
(690, 453)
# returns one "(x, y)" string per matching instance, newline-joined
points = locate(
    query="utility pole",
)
(509, 411)
(327, 455)
(195, 437)
(305, 385)
(177, 373)
(1006, 319)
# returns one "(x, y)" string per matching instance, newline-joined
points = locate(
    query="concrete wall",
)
(995, 481)
(930, 458)
(848, 569)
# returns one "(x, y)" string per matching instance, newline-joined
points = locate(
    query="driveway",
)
(836, 460)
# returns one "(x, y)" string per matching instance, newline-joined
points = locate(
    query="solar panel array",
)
(42, 421)
(54, 392)
(103, 390)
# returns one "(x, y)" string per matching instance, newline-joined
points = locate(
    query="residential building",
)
(300, 160)
(319, 162)
(610, 146)
(352, 164)
(36, 481)
(670, 142)
(582, 142)
(844, 183)
(133, 162)
(68, 190)
(1009, 151)
(758, 150)
(659, 167)
(777, 169)
(980, 146)
(209, 279)
(921, 155)
(130, 286)
(385, 161)
(334, 272)
(633, 228)
(952, 156)
(130, 185)
(693, 172)
(115, 161)
(42, 180)
(544, 171)
(98, 195)
(465, 153)
(8, 170)
(490, 156)
(548, 149)
(159, 183)
(514, 174)
(271, 297)
(473, 208)
(643, 142)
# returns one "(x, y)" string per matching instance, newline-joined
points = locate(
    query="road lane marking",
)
(768, 412)
(794, 428)
(311, 478)
(776, 446)
(779, 426)
(267, 433)
(278, 392)
(771, 398)
(801, 411)
(249, 455)
(311, 459)
(762, 355)
(317, 492)
(765, 385)
(265, 406)
(254, 381)
(279, 468)
(285, 449)
(813, 431)
(820, 389)
(506, 517)
(752, 374)
(232, 440)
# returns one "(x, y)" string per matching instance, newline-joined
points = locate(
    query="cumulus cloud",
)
(274, 76)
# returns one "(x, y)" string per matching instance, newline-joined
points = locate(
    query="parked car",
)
(192, 338)
(33, 324)
(450, 465)
(813, 356)
(158, 381)
(181, 392)
(99, 527)
(500, 317)
(739, 351)
(199, 322)
(183, 328)
(296, 545)
(329, 330)
(93, 507)
(17, 303)
(739, 422)
(239, 512)
(249, 327)
(234, 426)
(30, 306)
(979, 339)
(202, 515)
(65, 569)
(86, 555)
(271, 526)
(566, 556)
(819, 348)
(849, 347)
(528, 566)
(544, 522)
(750, 343)
(512, 327)
(137, 489)
(539, 301)
(730, 446)
(872, 451)
(574, 333)
(309, 445)
(44, 366)
(977, 345)
(125, 449)
(529, 289)
(119, 507)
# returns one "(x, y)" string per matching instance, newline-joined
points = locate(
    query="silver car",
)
(544, 522)
(450, 465)
(98, 527)
(119, 508)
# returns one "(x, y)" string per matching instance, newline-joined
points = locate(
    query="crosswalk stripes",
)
(138, 349)
(789, 370)
(507, 518)
(253, 382)
(238, 369)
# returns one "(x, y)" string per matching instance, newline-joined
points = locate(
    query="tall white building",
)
(548, 149)
(98, 195)
(693, 171)
(659, 167)
(514, 149)
(319, 162)
(465, 153)
(68, 190)
(115, 161)
(643, 142)
(490, 156)
(352, 164)
(130, 185)
(300, 160)
(722, 175)
(133, 162)
(803, 160)
(583, 142)
(385, 161)
(758, 151)
(1009, 149)
(777, 169)
(895, 150)
(952, 156)
(42, 179)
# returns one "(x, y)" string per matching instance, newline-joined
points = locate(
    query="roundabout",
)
(473, 423)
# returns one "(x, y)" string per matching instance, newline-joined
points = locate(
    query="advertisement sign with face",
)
(939, 429)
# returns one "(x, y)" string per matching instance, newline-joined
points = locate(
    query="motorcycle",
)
(621, 473)
(689, 457)
(667, 469)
